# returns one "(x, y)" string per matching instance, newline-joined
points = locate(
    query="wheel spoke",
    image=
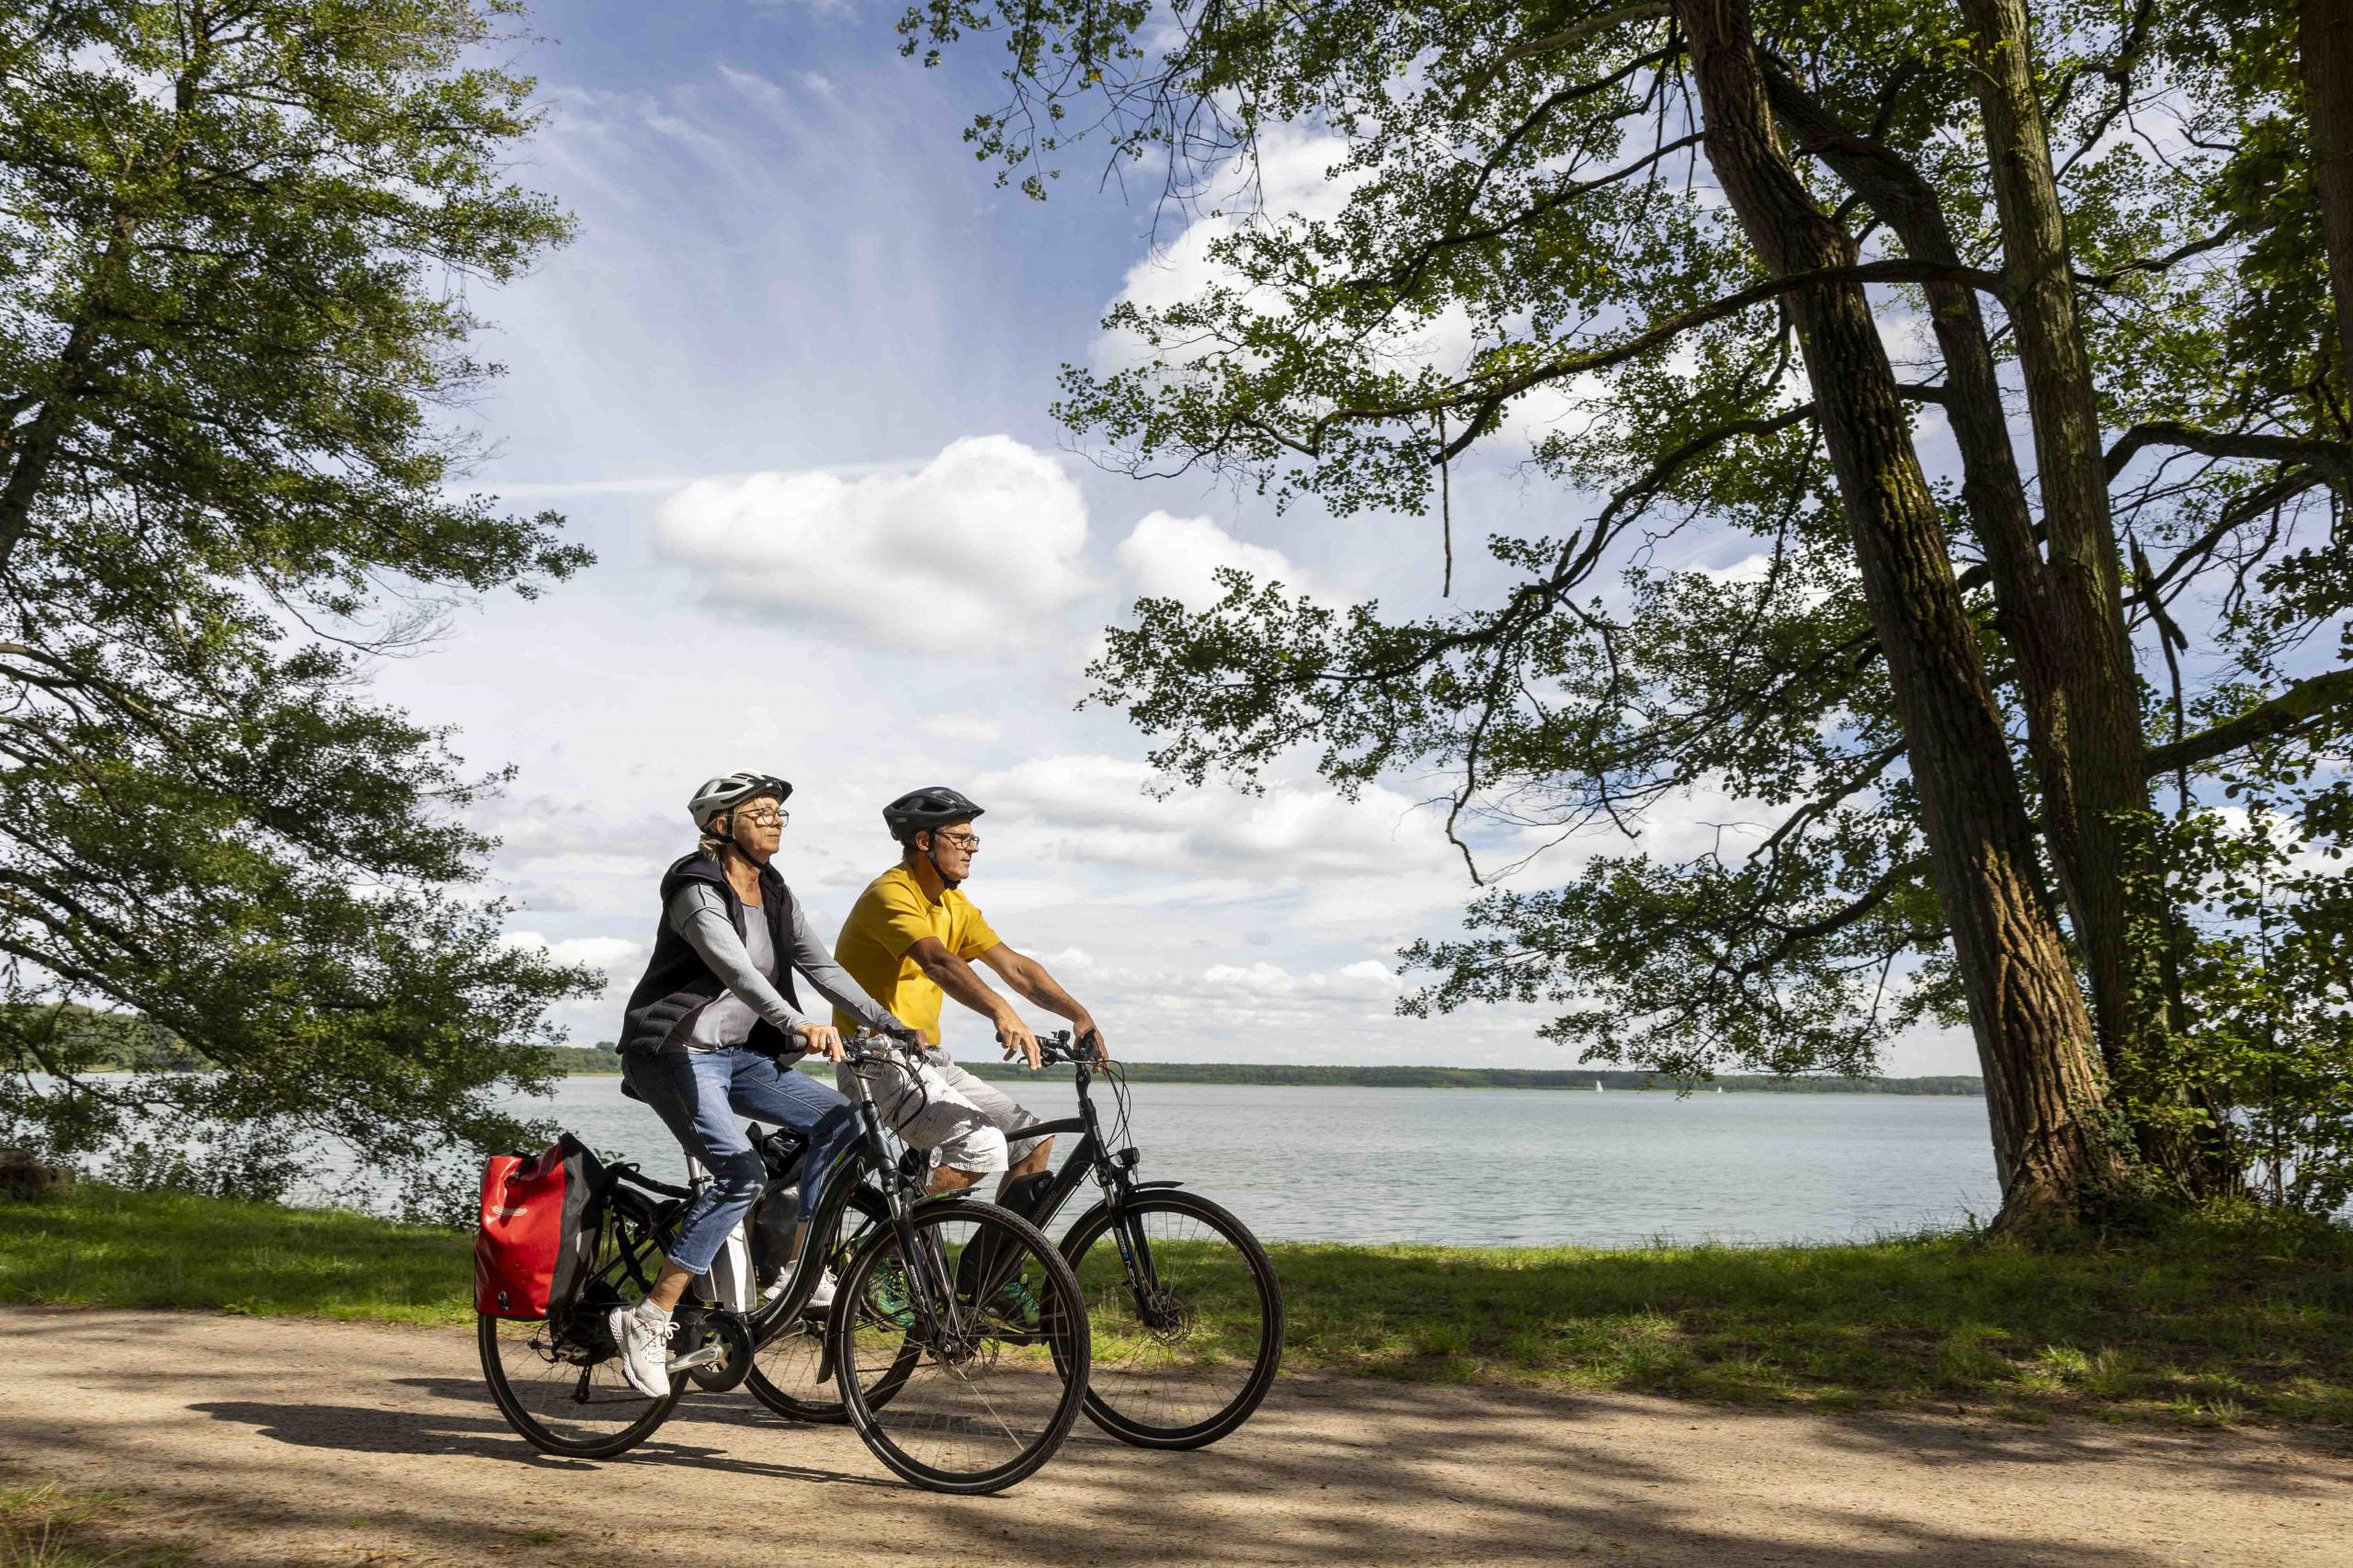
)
(992, 1397)
(1186, 1354)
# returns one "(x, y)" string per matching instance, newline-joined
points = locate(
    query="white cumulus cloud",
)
(1178, 558)
(990, 532)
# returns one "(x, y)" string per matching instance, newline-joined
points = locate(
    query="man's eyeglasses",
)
(767, 819)
(967, 842)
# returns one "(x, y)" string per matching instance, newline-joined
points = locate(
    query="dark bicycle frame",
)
(1113, 1170)
(865, 1163)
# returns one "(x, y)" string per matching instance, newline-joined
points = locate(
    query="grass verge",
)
(2217, 1320)
(47, 1526)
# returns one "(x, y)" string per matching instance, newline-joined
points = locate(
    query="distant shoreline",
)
(584, 1061)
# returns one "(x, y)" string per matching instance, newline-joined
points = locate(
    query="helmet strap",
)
(734, 842)
(932, 855)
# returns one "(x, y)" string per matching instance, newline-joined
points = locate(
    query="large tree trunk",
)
(2325, 45)
(2043, 1088)
(1992, 488)
(2097, 822)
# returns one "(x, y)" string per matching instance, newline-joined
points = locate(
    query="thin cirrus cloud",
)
(990, 536)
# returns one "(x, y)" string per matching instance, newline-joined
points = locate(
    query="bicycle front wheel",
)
(1185, 1321)
(988, 1397)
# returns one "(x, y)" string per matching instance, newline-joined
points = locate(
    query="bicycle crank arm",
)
(702, 1356)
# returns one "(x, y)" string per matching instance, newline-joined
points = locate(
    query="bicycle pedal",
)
(704, 1356)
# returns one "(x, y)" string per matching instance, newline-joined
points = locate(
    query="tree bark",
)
(2098, 824)
(1992, 488)
(2325, 48)
(2043, 1088)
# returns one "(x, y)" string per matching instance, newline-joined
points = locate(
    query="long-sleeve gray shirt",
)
(748, 966)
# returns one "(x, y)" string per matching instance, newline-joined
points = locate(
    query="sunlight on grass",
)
(2219, 1320)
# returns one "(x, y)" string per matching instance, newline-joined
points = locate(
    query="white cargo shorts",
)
(974, 1126)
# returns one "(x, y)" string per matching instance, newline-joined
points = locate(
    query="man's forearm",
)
(1034, 983)
(957, 978)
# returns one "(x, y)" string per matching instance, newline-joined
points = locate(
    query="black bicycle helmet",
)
(932, 807)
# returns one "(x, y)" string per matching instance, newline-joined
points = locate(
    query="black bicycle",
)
(1184, 1312)
(957, 1338)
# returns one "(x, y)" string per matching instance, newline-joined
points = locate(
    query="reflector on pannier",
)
(536, 1213)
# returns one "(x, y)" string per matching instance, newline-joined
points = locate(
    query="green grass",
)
(2214, 1322)
(105, 1246)
(45, 1527)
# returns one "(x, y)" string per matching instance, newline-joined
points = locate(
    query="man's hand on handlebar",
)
(1018, 1040)
(821, 1038)
(1087, 1034)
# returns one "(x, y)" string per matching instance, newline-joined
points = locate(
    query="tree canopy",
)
(2090, 236)
(236, 243)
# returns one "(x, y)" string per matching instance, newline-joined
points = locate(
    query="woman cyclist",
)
(712, 1030)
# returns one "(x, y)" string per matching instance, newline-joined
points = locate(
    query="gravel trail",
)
(287, 1441)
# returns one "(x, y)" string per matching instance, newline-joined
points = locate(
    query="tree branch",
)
(2293, 708)
(1490, 394)
(1553, 42)
(2333, 458)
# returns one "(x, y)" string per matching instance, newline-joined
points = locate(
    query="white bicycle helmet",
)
(729, 791)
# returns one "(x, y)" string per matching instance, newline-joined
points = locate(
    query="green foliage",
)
(2265, 967)
(1525, 212)
(236, 246)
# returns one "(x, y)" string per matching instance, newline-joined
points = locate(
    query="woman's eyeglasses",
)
(767, 819)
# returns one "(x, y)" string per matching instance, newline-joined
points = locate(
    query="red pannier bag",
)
(536, 1214)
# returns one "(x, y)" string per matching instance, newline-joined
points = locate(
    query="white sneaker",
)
(820, 1299)
(645, 1349)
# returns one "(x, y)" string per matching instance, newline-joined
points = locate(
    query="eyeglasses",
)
(967, 842)
(767, 819)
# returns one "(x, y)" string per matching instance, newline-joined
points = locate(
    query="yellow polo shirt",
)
(889, 917)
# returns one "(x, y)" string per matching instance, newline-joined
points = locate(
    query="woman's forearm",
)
(831, 982)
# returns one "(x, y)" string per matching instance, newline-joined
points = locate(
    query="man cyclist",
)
(910, 940)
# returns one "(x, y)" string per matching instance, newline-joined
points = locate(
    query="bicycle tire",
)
(1061, 1321)
(619, 1271)
(488, 1333)
(793, 1392)
(1108, 1384)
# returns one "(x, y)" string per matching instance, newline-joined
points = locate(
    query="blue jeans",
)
(699, 1095)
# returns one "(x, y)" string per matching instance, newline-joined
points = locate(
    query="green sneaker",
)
(887, 1297)
(1016, 1306)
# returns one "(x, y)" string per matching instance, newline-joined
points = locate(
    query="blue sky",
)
(791, 382)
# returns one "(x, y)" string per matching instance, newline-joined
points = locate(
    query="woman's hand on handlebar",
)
(821, 1038)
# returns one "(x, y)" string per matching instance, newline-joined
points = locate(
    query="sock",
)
(652, 1313)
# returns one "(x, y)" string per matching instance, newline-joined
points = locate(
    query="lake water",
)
(1505, 1166)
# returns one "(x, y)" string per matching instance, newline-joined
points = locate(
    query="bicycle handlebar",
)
(869, 1045)
(1060, 1049)
(1056, 1049)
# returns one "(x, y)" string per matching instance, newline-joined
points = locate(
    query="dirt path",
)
(277, 1441)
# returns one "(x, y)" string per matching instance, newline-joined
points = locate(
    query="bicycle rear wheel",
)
(994, 1397)
(558, 1381)
(1187, 1329)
